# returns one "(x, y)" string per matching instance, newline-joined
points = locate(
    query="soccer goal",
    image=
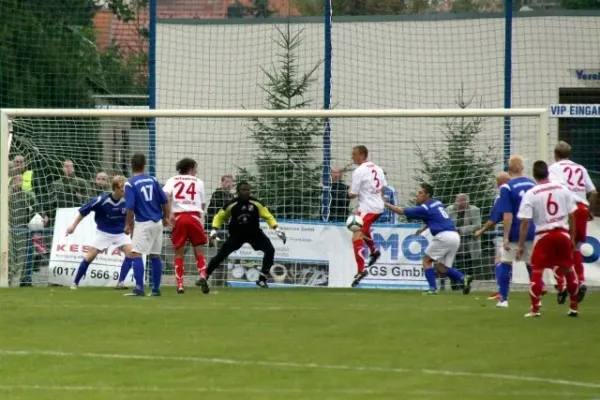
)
(298, 163)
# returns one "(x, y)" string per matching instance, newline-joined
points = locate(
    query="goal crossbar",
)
(7, 113)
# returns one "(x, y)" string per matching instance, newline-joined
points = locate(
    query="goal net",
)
(298, 164)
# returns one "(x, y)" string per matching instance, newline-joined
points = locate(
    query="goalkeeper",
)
(243, 213)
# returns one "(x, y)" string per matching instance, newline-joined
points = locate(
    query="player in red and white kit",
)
(576, 178)
(368, 184)
(187, 198)
(551, 207)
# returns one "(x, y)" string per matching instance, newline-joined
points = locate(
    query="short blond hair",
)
(118, 181)
(516, 164)
(502, 177)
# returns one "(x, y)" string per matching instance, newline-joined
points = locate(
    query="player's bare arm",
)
(421, 229)
(573, 230)
(395, 209)
(166, 207)
(129, 221)
(74, 225)
(593, 201)
(488, 226)
(507, 219)
(523, 228)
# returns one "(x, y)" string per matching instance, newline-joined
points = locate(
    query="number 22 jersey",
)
(368, 181)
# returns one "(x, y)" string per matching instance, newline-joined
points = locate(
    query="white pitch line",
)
(219, 307)
(249, 390)
(506, 377)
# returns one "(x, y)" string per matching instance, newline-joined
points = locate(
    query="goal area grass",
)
(292, 344)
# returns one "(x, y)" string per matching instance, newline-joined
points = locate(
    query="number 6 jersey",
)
(368, 182)
(186, 193)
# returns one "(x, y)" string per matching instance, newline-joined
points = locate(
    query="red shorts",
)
(581, 219)
(553, 248)
(368, 220)
(188, 226)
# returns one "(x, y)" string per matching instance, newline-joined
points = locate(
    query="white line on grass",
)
(506, 377)
(249, 390)
(221, 306)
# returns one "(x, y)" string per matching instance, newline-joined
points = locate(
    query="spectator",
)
(100, 185)
(68, 191)
(340, 200)
(390, 195)
(19, 168)
(22, 207)
(467, 219)
(219, 197)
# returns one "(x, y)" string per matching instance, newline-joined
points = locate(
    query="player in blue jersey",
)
(148, 203)
(508, 204)
(442, 250)
(495, 218)
(109, 215)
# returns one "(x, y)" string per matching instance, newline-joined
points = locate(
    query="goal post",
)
(188, 133)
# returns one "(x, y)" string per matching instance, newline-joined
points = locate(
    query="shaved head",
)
(502, 178)
(562, 151)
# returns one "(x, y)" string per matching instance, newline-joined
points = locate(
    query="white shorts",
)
(104, 240)
(443, 247)
(510, 256)
(147, 237)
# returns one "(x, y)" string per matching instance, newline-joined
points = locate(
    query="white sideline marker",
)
(150, 357)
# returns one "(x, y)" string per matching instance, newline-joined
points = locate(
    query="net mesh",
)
(78, 156)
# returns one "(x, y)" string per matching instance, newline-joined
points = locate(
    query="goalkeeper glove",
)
(212, 237)
(280, 234)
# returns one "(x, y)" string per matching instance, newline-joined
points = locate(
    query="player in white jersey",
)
(576, 178)
(551, 207)
(186, 195)
(368, 184)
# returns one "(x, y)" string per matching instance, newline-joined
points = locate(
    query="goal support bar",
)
(7, 113)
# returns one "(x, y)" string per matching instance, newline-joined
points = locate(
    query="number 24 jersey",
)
(186, 193)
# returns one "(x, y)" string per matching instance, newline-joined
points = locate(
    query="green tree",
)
(460, 164)
(357, 7)
(287, 177)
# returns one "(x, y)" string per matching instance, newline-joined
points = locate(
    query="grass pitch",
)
(292, 344)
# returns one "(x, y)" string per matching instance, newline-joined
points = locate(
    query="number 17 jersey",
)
(186, 193)
(368, 182)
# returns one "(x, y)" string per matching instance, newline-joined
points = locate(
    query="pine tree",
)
(459, 165)
(288, 176)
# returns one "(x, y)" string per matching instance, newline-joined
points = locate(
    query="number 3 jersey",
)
(574, 177)
(368, 181)
(511, 195)
(243, 216)
(186, 193)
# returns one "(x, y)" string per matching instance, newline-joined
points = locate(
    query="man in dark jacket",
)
(340, 202)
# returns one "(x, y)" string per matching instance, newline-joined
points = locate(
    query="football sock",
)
(81, 270)
(200, 265)
(358, 251)
(156, 268)
(125, 267)
(578, 264)
(179, 270)
(535, 289)
(454, 274)
(138, 273)
(369, 241)
(498, 272)
(572, 287)
(504, 273)
(430, 276)
(529, 273)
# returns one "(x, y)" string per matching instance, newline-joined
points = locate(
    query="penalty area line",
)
(278, 364)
